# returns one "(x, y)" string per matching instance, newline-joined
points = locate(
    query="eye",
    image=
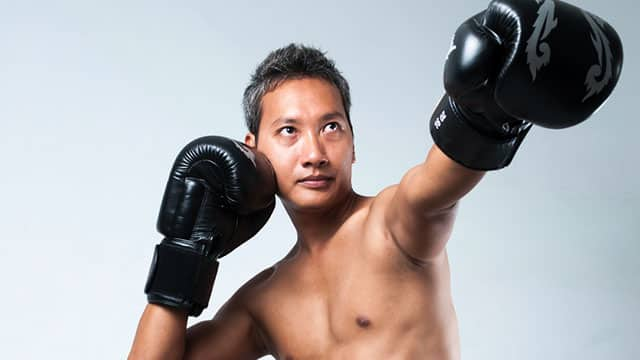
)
(332, 126)
(287, 130)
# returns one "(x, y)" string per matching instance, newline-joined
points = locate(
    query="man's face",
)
(304, 132)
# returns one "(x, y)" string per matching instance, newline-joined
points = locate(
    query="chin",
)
(310, 201)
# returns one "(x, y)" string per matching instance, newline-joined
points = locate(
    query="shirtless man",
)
(368, 277)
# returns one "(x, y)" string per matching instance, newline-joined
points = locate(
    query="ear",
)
(353, 154)
(250, 140)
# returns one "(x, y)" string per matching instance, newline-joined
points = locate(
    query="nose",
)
(313, 152)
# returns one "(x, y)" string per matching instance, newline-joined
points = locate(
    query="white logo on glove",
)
(439, 120)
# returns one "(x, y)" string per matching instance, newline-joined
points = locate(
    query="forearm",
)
(443, 181)
(160, 334)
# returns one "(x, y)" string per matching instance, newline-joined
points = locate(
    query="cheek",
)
(345, 157)
(278, 159)
(346, 169)
(283, 166)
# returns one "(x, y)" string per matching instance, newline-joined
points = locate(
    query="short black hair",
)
(294, 61)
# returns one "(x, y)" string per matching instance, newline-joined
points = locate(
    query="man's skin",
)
(368, 277)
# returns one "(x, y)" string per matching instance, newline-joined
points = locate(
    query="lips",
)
(315, 181)
(315, 178)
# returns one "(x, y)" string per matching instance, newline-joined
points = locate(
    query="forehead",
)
(305, 97)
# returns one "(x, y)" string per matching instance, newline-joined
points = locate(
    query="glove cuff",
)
(468, 146)
(181, 278)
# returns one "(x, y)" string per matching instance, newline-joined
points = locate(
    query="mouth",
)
(315, 181)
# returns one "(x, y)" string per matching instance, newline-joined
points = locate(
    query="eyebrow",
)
(284, 121)
(325, 117)
(332, 115)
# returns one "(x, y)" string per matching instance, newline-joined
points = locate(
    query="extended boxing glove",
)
(219, 194)
(522, 62)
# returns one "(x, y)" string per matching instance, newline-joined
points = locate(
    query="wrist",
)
(474, 141)
(180, 278)
(175, 315)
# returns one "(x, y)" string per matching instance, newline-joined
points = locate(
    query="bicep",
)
(231, 334)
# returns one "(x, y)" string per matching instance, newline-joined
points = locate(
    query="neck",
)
(315, 228)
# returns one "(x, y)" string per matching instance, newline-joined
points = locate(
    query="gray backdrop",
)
(98, 97)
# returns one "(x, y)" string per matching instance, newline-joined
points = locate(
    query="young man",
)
(368, 277)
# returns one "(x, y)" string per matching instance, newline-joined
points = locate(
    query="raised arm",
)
(219, 194)
(231, 334)
(422, 208)
(509, 67)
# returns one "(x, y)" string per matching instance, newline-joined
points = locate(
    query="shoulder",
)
(249, 292)
(381, 201)
(377, 238)
(367, 219)
(378, 206)
(267, 287)
(392, 231)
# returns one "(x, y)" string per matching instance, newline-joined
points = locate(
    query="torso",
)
(361, 299)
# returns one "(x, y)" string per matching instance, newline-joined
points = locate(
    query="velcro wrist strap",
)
(180, 277)
(467, 146)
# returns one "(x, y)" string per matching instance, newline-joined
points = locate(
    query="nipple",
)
(363, 322)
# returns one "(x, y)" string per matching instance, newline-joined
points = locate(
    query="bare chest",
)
(360, 305)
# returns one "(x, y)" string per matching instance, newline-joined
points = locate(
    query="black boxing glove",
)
(520, 62)
(219, 194)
